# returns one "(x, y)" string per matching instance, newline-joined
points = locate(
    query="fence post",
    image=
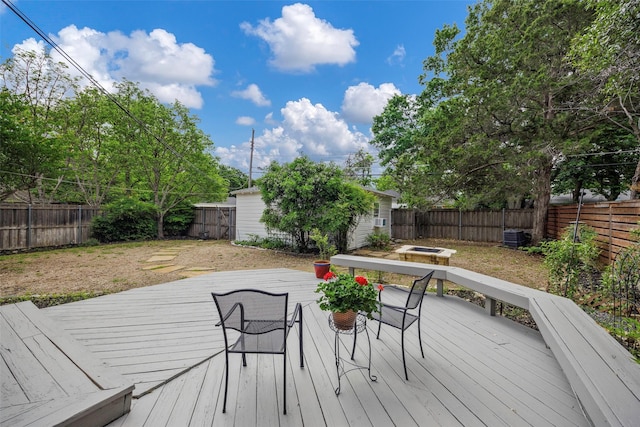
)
(218, 222)
(204, 220)
(610, 234)
(459, 224)
(29, 226)
(79, 225)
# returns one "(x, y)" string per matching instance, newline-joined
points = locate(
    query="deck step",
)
(50, 379)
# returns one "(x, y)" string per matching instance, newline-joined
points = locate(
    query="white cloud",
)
(299, 40)
(170, 70)
(245, 121)
(320, 132)
(253, 94)
(398, 55)
(306, 128)
(268, 119)
(363, 102)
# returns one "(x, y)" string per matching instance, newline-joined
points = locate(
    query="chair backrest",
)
(252, 311)
(418, 289)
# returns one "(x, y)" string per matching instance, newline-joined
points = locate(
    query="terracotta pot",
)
(322, 267)
(345, 320)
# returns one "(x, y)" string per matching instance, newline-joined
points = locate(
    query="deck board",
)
(477, 370)
(49, 379)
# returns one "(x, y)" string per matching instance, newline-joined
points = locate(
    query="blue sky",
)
(308, 77)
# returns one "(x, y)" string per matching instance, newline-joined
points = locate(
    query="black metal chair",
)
(261, 319)
(400, 317)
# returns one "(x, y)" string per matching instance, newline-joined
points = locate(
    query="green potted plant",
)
(345, 296)
(326, 251)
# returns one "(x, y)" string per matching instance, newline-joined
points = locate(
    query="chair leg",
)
(420, 338)
(284, 383)
(404, 362)
(301, 349)
(379, 326)
(226, 381)
(244, 359)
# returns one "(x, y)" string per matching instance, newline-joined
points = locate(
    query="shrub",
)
(379, 240)
(125, 219)
(264, 242)
(325, 249)
(178, 220)
(568, 261)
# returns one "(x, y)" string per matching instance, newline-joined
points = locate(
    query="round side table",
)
(359, 326)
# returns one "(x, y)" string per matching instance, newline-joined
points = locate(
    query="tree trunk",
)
(160, 225)
(542, 198)
(635, 183)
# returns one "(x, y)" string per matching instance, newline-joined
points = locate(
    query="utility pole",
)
(251, 158)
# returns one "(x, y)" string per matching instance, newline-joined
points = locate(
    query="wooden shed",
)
(249, 208)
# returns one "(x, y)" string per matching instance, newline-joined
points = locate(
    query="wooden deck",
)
(478, 369)
(49, 379)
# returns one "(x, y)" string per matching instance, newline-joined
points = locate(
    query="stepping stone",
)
(169, 268)
(377, 254)
(194, 273)
(160, 258)
(200, 269)
(156, 266)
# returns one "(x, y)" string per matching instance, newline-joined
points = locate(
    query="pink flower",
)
(380, 287)
(362, 280)
(330, 275)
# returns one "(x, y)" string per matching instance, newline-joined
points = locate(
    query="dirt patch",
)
(113, 268)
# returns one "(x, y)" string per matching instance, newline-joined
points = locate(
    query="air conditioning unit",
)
(380, 222)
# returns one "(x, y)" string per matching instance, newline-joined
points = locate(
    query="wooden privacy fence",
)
(477, 226)
(611, 220)
(214, 223)
(36, 226)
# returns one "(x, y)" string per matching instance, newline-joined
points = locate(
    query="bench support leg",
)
(490, 306)
(440, 287)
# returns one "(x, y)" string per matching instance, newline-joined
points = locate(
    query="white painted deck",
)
(478, 369)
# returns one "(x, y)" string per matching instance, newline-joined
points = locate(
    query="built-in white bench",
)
(603, 375)
(493, 289)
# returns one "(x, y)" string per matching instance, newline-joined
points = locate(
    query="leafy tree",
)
(22, 153)
(398, 135)
(608, 52)
(96, 157)
(302, 196)
(494, 108)
(39, 84)
(235, 177)
(603, 163)
(154, 152)
(358, 167)
(176, 167)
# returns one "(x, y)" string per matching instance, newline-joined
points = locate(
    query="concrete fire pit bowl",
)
(425, 254)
